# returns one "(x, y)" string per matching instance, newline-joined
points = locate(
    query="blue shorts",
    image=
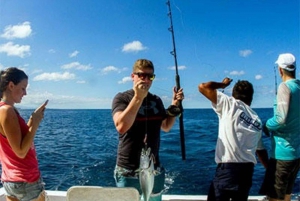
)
(128, 178)
(232, 181)
(24, 191)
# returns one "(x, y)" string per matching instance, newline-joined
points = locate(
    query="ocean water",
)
(78, 147)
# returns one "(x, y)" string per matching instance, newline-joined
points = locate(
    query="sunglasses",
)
(144, 75)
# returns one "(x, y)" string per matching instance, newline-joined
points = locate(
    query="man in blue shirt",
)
(284, 127)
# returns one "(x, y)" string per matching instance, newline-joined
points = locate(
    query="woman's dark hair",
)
(11, 74)
(243, 90)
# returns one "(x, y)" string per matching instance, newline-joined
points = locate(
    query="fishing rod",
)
(275, 80)
(177, 79)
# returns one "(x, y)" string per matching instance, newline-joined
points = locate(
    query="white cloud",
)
(52, 51)
(54, 76)
(12, 49)
(245, 53)
(81, 82)
(1, 66)
(237, 72)
(73, 54)
(77, 66)
(17, 31)
(61, 101)
(178, 67)
(34, 97)
(258, 77)
(134, 46)
(36, 71)
(124, 80)
(108, 69)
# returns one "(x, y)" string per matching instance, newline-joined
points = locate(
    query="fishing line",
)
(213, 68)
(180, 14)
(146, 129)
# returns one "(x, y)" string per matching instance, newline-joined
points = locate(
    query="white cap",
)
(286, 61)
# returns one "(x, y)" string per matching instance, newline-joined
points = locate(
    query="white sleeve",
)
(223, 103)
(282, 108)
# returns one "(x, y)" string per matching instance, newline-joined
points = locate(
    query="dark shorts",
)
(280, 178)
(232, 181)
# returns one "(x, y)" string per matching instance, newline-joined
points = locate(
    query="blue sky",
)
(79, 54)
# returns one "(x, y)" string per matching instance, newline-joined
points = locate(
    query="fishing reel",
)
(173, 111)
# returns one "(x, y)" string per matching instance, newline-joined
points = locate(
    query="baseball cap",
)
(286, 61)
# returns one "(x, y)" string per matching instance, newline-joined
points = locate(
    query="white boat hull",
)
(61, 196)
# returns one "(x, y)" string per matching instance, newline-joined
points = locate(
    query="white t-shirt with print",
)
(240, 131)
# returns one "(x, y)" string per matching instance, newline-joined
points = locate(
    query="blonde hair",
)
(141, 64)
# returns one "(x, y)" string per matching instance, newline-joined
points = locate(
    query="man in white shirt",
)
(239, 139)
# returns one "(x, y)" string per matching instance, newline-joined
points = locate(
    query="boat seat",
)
(97, 193)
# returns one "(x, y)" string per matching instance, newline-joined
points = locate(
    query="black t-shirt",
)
(148, 121)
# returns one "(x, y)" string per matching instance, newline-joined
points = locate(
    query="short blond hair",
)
(141, 64)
